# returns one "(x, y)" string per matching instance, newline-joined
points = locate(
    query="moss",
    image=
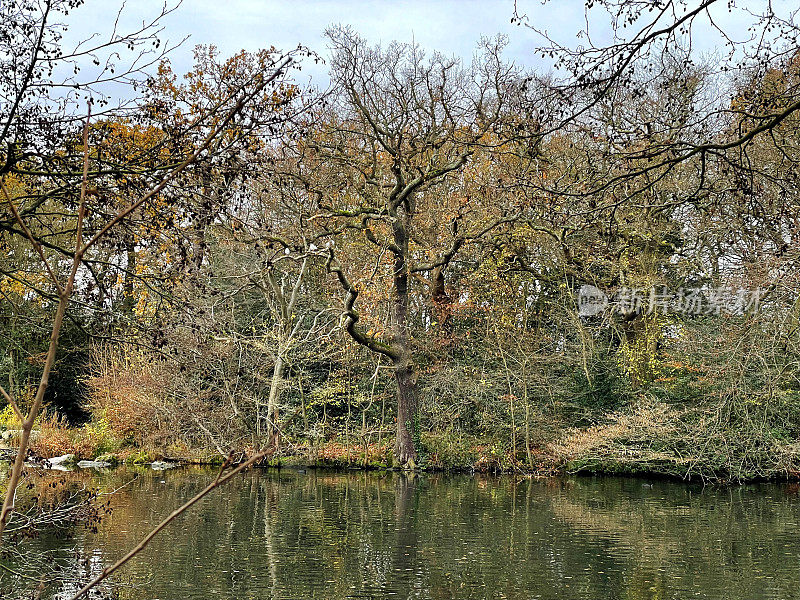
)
(139, 458)
(110, 458)
(215, 460)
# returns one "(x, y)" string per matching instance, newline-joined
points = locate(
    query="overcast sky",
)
(451, 26)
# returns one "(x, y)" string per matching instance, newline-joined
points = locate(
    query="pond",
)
(317, 534)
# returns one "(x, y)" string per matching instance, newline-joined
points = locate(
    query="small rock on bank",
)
(160, 465)
(93, 464)
(60, 463)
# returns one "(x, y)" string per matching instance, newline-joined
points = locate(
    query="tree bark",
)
(272, 402)
(407, 404)
(404, 369)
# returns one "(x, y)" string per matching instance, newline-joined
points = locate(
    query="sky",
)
(451, 26)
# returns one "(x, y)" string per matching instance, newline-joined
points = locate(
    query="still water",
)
(287, 534)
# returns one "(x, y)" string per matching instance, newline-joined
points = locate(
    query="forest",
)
(432, 263)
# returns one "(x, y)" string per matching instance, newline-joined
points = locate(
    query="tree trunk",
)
(404, 370)
(407, 401)
(272, 402)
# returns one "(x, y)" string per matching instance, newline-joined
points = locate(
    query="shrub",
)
(8, 419)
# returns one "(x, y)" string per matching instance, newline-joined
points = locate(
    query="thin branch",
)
(171, 517)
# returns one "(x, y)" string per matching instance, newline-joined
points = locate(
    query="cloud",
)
(450, 26)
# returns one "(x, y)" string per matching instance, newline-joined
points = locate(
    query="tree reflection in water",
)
(290, 534)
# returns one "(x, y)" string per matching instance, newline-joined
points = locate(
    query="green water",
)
(288, 534)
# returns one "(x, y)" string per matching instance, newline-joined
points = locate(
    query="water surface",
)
(299, 535)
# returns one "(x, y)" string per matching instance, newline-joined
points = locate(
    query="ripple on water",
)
(289, 535)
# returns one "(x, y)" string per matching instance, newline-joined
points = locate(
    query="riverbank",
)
(470, 456)
(646, 438)
(550, 465)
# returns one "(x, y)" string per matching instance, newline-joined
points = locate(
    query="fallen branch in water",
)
(218, 481)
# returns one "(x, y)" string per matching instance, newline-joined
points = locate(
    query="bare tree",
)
(385, 166)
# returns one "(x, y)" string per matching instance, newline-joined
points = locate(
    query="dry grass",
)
(697, 441)
(628, 435)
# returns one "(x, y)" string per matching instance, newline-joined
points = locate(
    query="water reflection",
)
(300, 535)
